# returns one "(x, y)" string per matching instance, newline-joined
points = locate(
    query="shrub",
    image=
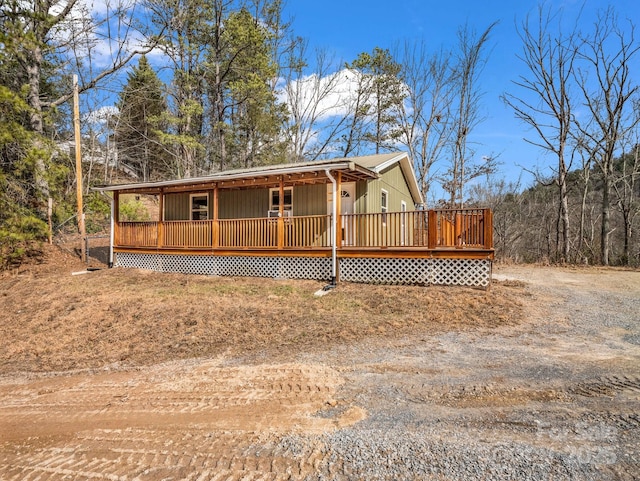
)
(20, 235)
(134, 211)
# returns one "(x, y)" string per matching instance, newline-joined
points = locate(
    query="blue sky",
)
(349, 27)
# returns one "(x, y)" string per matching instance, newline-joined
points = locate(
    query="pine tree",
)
(378, 93)
(138, 133)
(19, 227)
(255, 115)
(247, 118)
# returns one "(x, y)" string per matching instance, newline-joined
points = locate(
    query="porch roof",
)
(302, 172)
(352, 169)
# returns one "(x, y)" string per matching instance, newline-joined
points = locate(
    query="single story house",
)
(356, 219)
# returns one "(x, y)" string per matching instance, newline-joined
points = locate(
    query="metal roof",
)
(353, 168)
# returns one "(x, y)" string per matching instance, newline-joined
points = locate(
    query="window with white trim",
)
(274, 196)
(384, 204)
(384, 201)
(199, 206)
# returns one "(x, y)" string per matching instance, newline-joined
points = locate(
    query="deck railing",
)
(248, 233)
(184, 233)
(307, 231)
(389, 229)
(137, 234)
(462, 228)
(432, 229)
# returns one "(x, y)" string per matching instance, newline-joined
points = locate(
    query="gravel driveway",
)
(557, 397)
(554, 397)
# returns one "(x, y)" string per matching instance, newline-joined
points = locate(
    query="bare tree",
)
(425, 114)
(609, 92)
(317, 111)
(585, 181)
(545, 102)
(627, 197)
(467, 114)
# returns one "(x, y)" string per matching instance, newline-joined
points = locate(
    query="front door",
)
(347, 206)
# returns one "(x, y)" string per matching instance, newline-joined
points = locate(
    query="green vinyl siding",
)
(310, 199)
(176, 206)
(249, 203)
(393, 181)
(243, 204)
(362, 197)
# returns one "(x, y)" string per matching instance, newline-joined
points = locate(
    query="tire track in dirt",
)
(485, 395)
(530, 403)
(152, 455)
(492, 394)
(169, 422)
(608, 386)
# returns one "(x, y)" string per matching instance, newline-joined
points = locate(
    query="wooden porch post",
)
(457, 235)
(338, 201)
(161, 218)
(488, 228)
(216, 224)
(112, 227)
(432, 226)
(281, 215)
(116, 217)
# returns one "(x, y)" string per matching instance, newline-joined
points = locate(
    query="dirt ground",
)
(132, 375)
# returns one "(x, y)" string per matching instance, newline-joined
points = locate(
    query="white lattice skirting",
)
(458, 272)
(406, 271)
(318, 268)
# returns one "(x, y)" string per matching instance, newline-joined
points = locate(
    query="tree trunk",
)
(564, 214)
(605, 233)
(583, 211)
(220, 119)
(37, 125)
(627, 237)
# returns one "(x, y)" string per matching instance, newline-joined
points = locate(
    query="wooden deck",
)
(459, 233)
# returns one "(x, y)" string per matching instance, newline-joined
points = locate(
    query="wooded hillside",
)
(527, 223)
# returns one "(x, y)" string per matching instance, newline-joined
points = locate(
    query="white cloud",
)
(101, 115)
(329, 96)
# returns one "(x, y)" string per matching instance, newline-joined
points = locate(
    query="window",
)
(384, 201)
(199, 206)
(384, 205)
(274, 195)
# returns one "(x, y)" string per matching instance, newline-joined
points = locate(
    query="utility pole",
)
(80, 213)
(49, 220)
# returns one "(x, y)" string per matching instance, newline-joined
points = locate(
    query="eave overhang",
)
(291, 174)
